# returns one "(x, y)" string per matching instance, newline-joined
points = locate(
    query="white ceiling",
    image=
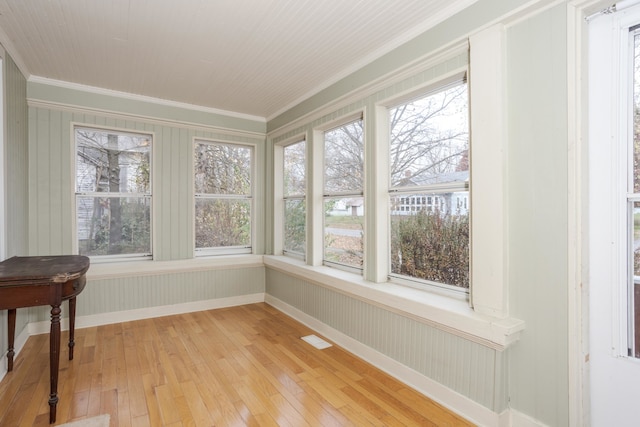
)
(255, 57)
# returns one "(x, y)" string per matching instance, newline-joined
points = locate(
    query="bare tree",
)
(105, 162)
(344, 158)
(427, 138)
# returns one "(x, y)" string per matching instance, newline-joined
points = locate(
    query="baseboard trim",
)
(147, 313)
(518, 419)
(446, 397)
(18, 344)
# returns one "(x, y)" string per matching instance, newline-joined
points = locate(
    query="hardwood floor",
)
(229, 367)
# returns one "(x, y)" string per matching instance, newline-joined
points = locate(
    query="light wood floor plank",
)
(239, 366)
(201, 417)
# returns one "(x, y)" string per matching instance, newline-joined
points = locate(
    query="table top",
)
(56, 269)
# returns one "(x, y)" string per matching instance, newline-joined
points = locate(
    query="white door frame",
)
(614, 378)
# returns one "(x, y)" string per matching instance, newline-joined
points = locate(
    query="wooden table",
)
(43, 280)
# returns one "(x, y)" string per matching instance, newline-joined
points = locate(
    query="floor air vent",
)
(317, 342)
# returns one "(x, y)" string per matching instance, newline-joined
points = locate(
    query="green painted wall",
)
(51, 196)
(51, 185)
(537, 212)
(531, 377)
(16, 176)
(140, 291)
(17, 172)
(139, 107)
(535, 373)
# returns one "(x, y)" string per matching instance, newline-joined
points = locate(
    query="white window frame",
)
(319, 133)
(627, 80)
(489, 290)
(484, 316)
(408, 193)
(227, 250)
(281, 198)
(149, 195)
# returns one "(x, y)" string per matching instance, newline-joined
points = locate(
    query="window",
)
(113, 193)
(223, 197)
(429, 163)
(343, 195)
(633, 202)
(294, 186)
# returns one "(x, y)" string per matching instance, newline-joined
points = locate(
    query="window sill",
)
(447, 313)
(113, 270)
(443, 312)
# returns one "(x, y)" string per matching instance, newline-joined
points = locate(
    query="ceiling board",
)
(255, 57)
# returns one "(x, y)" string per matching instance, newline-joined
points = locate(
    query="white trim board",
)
(443, 312)
(143, 98)
(18, 345)
(518, 419)
(147, 313)
(51, 105)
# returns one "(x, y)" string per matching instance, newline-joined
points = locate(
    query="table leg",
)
(54, 360)
(72, 325)
(11, 315)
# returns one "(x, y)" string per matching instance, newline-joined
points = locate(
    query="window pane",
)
(634, 290)
(344, 159)
(112, 162)
(635, 208)
(223, 222)
(429, 148)
(113, 225)
(636, 115)
(294, 226)
(430, 140)
(222, 169)
(294, 169)
(430, 237)
(343, 231)
(634, 232)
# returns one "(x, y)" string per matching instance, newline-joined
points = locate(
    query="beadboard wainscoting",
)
(461, 374)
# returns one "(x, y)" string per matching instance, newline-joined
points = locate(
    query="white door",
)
(614, 217)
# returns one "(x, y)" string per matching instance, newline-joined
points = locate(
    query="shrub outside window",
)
(113, 193)
(429, 188)
(343, 195)
(223, 197)
(295, 198)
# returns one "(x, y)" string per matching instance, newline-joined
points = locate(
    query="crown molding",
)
(37, 103)
(142, 98)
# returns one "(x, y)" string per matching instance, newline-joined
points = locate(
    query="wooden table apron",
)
(36, 281)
